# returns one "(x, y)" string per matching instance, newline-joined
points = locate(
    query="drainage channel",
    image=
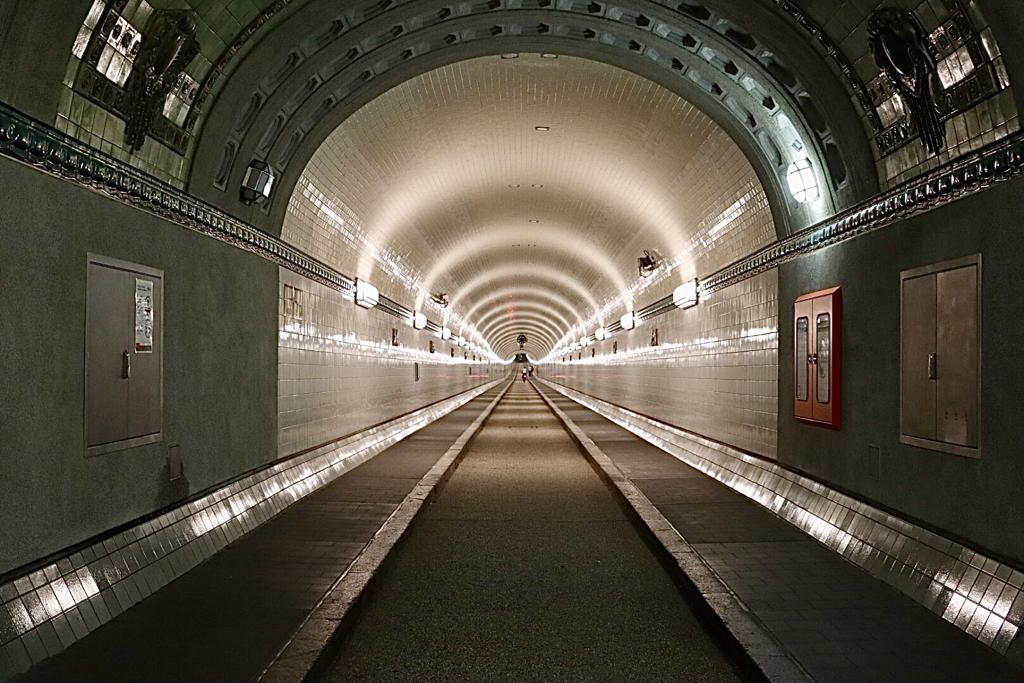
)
(526, 565)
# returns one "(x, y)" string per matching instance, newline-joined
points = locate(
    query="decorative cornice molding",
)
(963, 177)
(42, 146)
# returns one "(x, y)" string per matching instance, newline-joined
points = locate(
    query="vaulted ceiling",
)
(526, 187)
(758, 69)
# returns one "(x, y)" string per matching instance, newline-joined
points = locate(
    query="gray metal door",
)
(957, 356)
(123, 378)
(144, 389)
(940, 357)
(108, 336)
(918, 345)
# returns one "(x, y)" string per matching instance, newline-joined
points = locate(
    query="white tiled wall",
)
(714, 371)
(338, 372)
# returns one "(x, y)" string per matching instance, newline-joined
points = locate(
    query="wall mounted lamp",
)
(367, 295)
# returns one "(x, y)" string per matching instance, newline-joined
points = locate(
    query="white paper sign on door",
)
(143, 316)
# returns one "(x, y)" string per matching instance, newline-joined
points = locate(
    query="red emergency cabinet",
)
(817, 357)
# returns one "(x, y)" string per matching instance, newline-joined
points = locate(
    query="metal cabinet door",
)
(108, 337)
(144, 386)
(803, 368)
(918, 387)
(823, 322)
(123, 390)
(957, 356)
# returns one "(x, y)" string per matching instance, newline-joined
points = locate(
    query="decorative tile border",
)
(35, 143)
(979, 595)
(42, 146)
(45, 611)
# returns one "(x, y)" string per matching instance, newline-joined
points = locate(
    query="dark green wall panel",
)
(220, 364)
(977, 500)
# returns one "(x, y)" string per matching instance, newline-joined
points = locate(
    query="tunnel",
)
(511, 340)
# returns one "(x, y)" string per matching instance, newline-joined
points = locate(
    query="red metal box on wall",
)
(817, 357)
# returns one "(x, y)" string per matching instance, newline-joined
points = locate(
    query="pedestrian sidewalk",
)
(839, 622)
(227, 618)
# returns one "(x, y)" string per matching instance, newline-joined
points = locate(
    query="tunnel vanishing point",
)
(511, 340)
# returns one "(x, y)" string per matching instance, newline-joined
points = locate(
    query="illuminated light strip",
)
(924, 566)
(175, 542)
(387, 259)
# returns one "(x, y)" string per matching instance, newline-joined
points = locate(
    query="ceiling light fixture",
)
(510, 55)
(446, 333)
(600, 334)
(542, 129)
(628, 321)
(548, 55)
(538, 185)
(514, 185)
(419, 321)
(534, 220)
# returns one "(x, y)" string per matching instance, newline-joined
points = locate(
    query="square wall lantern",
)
(628, 321)
(257, 183)
(419, 321)
(367, 295)
(685, 295)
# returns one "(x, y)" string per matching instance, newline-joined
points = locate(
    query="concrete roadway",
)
(526, 567)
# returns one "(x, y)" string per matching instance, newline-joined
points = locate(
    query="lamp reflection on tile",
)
(957, 583)
(119, 571)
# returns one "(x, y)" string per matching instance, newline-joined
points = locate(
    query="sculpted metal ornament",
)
(168, 46)
(902, 51)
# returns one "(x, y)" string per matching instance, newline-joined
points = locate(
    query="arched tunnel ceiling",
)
(445, 184)
(752, 69)
(787, 79)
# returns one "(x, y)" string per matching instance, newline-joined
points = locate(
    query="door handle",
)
(933, 366)
(126, 365)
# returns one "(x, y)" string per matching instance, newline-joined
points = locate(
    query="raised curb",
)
(770, 657)
(303, 651)
(981, 596)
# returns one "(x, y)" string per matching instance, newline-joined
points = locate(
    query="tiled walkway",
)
(226, 619)
(839, 622)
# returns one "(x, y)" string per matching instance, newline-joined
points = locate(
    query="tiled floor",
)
(225, 620)
(839, 622)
